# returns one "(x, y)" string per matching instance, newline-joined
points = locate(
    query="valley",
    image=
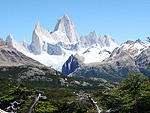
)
(71, 71)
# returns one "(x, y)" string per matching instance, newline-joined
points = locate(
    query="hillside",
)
(47, 77)
(9, 56)
(130, 57)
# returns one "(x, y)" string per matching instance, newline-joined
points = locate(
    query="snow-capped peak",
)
(24, 43)
(10, 39)
(65, 31)
(130, 48)
(22, 47)
(62, 22)
(37, 27)
(36, 45)
(65, 17)
(24, 40)
(106, 40)
(90, 39)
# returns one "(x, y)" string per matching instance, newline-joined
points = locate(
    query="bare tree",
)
(34, 102)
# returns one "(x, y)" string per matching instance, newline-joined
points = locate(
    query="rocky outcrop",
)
(90, 39)
(37, 43)
(25, 44)
(10, 40)
(106, 40)
(74, 62)
(65, 30)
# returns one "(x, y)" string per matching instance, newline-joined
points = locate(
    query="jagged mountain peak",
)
(37, 26)
(65, 31)
(65, 17)
(89, 39)
(2, 42)
(106, 40)
(106, 37)
(62, 22)
(10, 35)
(24, 40)
(93, 33)
(138, 41)
(129, 48)
(10, 39)
(24, 43)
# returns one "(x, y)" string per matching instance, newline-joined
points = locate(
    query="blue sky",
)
(122, 19)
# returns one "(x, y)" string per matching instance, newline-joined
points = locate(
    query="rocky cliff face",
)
(65, 30)
(37, 43)
(106, 40)
(90, 39)
(74, 62)
(25, 44)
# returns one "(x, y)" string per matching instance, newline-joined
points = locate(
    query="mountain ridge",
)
(130, 57)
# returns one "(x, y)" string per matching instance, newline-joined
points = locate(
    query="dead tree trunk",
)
(99, 110)
(33, 103)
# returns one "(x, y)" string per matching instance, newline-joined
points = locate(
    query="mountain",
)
(37, 43)
(54, 48)
(92, 38)
(74, 62)
(129, 57)
(11, 57)
(65, 31)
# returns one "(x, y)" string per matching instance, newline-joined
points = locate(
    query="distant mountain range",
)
(54, 48)
(87, 56)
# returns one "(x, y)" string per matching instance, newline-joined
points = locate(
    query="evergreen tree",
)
(132, 95)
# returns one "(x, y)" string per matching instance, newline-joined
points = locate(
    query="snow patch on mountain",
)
(131, 46)
(49, 40)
